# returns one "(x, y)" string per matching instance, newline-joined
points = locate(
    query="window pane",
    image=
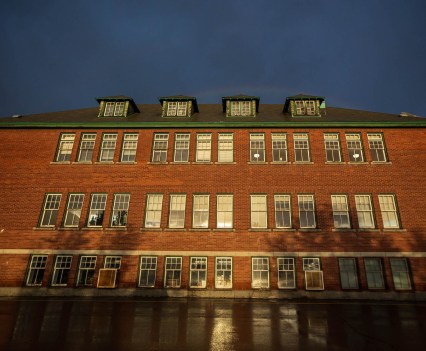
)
(258, 211)
(286, 273)
(257, 147)
(223, 273)
(389, 211)
(65, 147)
(97, 210)
(279, 147)
(225, 205)
(147, 274)
(377, 147)
(353, 142)
(226, 148)
(120, 210)
(87, 146)
(73, 213)
(160, 146)
(301, 148)
(182, 148)
(400, 274)
(340, 211)
(50, 210)
(306, 211)
(373, 268)
(282, 211)
(348, 273)
(204, 147)
(260, 273)
(173, 267)
(154, 206)
(364, 211)
(177, 211)
(130, 143)
(201, 211)
(108, 147)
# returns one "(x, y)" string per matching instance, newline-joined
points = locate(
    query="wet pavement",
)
(203, 324)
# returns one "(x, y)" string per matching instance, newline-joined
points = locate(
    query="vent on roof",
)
(407, 114)
(16, 116)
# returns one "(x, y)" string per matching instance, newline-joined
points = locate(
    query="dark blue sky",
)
(364, 54)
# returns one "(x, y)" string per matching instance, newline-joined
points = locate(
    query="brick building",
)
(237, 199)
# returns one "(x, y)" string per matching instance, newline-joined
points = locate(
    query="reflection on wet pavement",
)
(217, 325)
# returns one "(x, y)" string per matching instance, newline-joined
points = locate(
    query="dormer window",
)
(178, 106)
(240, 106)
(116, 106)
(305, 108)
(179, 109)
(115, 109)
(304, 105)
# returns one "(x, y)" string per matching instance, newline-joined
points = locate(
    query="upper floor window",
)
(301, 147)
(177, 211)
(201, 211)
(259, 214)
(204, 147)
(340, 211)
(182, 147)
(389, 211)
(257, 147)
(108, 147)
(154, 206)
(87, 145)
(97, 210)
(130, 143)
(332, 147)
(120, 209)
(279, 147)
(73, 212)
(66, 143)
(364, 210)
(377, 147)
(306, 211)
(353, 141)
(50, 210)
(225, 147)
(160, 146)
(282, 211)
(225, 210)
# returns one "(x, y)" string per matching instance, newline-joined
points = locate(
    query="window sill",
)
(357, 163)
(309, 230)
(367, 230)
(259, 230)
(180, 163)
(60, 163)
(284, 230)
(380, 163)
(82, 163)
(175, 230)
(157, 163)
(257, 163)
(303, 163)
(104, 163)
(127, 163)
(151, 230)
(343, 230)
(199, 230)
(201, 163)
(280, 163)
(397, 230)
(225, 163)
(334, 163)
(110, 229)
(92, 228)
(44, 228)
(224, 230)
(69, 228)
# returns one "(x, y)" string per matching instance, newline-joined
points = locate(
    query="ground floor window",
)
(260, 272)
(223, 274)
(113, 262)
(173, 269)
(198, 272)
(286, 273)
(61, 270)
(36, 270)
(313, 274)
(148, 269)
(400, 274)
(374, 271)
(348, 273)
(86, 270)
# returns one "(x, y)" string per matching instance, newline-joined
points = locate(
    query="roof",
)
(211, 116)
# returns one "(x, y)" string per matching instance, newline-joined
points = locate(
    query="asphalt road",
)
(203, 324)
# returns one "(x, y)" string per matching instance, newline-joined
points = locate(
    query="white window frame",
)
(112, 262)
(119, 108)
(355, 149)
(377, 147)
(200, 212)
(340, 207)
(50, 210)
(302, 151)
(259, 209)
(86, 271)
(61, 270)
(160, 147)
(73, 211)
(312, 269)
(225, 148)
(224, 211)
(286, 273)
(177, 212)
(177, 108)
(348, 273)
(333, 153)
(282, 205)
(198, 272)
(120, 210)
(389, 210)
(241, 108)
(365, 212)
(128, 150)
(223, 272)
(147, 271)
(65, 146)
(182, 141)
(36, 270)
(97, 208)
(204, 147)
(279, 147)
(306, 204)
(374, 273)
(109, 109)
(260, 271)
(257, 147)
(87, 147)
(154, 209)
(108, 145)
(172, 267)
(400, 275)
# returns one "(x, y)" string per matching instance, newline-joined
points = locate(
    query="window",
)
(260, 273)
(258, 211)
(305, 108)
(112, 262)
(50, 210)
(147, 273)
(282, 211)
(73, 213)
(223, 273)
(108, 147)
(177, 211)
(340, 211)
(279, 147)
(198, 272)
(306, 211)
(114, 109)
(225, 147)
(173, 269)
(119, 109)
(154, 205)
(177, 109)
(389, 211)
(225, 209)
(400, 274)
(182, 148)
(365, 211)
(87, 146)
(97, 210)
(313, 274)
(130, 143)
(159, 148)
(301, 148)
(348, 273)
(201, 211)
(286, 273)
(204, 147)
(373, 269)
(109, 109)
(120, 210)
(332, 147)
(61, 270)
(36, 270)
(377, 147)
(86, 270)
(257, 147)
(353, 141)
(65, 147)
(241, 108)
